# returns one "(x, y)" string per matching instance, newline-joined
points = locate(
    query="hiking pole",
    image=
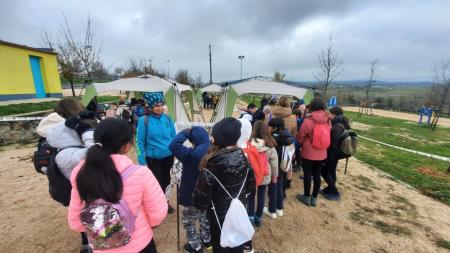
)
(346, 163)
(178, 221)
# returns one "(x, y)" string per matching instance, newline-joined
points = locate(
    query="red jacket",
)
(305, 134)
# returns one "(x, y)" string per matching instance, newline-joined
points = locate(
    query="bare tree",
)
(367, 99)
(183, 77)
(118, 71)
(441, 83)
(330, 66)
(86, 51)
(69, 65)
(278, 76)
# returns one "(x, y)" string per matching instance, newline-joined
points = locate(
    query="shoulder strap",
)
(223, 187)
(128, 171)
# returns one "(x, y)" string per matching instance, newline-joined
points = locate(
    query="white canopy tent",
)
(212, 88)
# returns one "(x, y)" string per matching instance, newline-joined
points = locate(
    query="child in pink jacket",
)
(98, 177)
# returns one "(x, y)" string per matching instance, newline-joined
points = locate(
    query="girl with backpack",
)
(276, 187)
(108, 178)
(224, 170)
(190, 158)
(265, 146)
(339, 125)
(314, 138)
(154, 134)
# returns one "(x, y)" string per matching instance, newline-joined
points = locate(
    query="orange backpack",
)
(258, 161)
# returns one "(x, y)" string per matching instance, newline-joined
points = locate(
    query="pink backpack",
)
(109, 225)
(321, 138)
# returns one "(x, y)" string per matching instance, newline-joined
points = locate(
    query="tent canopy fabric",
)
(268, 87)
(144, 83)
(212, 88)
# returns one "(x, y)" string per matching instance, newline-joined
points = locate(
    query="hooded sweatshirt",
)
(305, 136)
(71, 149)
(290, 121)
(246, 132)
(190, 157)
(52, 120)
(272, 158)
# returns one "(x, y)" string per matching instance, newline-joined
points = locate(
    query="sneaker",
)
(85, 249)
(305, 200)
(257, 221)
(188, 249)
(324, 191)
(252, 219)
(313, 201)
(279, 212)
(332, 197)
(170, 209)
(207, 245)
(248, 248)
(271, 215)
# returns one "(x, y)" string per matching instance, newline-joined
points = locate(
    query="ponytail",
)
(98, 178)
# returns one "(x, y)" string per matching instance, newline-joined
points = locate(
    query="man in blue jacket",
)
(190, 157)
(154, 134)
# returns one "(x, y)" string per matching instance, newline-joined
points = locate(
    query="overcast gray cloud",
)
(406, 36)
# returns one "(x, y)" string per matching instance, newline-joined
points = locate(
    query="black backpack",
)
(42, 156)
(59, 186)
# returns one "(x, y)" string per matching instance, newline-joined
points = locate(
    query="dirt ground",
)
(376, 214)
(399, 115)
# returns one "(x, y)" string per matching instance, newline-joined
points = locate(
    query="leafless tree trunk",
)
(330, 66)
(442, 82)
(278, 76)
(364, 107)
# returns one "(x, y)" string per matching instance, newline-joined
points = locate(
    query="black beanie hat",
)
(226, 132)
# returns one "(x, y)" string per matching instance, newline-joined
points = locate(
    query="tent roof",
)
(181, 87)
(268, 87)
(212, 88)
(142, 83)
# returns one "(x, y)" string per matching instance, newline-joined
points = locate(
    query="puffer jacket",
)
(290, 120)
(71, 149)
(190, 157)
(143, 196)
(229, 165)
(338, 125)
(52, 120)
(305, 136)
(283, 138)
(272, 158)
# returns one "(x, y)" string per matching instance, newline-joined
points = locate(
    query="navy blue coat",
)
(190, 157)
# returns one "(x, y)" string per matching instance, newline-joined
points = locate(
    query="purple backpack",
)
(109, 225)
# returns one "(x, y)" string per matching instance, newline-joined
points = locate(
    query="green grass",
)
(443, 243)
(13, 109)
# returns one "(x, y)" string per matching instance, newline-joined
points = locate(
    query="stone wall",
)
(18, 132)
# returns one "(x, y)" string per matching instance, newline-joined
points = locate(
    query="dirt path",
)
(376, 214)
(400, 115)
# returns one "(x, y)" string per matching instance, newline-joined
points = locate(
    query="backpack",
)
(287, 154)
(236, 228)
(41, 157)
(348, 142)
(321, 138)
(140, 110)
(258, 161)
(109, 225)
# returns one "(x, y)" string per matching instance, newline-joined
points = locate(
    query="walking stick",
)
(346, 163)
(178, 221)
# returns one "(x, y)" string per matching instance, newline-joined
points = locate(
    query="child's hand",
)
(274, 179)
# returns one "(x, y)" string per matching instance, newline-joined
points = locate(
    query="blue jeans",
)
(261, 196)
(276, 193)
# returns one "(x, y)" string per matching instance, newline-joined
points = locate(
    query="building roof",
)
(41, 50)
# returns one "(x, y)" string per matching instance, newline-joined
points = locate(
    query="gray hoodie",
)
(272, 156)
(71, 149)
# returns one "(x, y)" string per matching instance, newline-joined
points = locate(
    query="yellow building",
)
(27, 72)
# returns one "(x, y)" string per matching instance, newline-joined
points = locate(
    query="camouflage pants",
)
(191, 216)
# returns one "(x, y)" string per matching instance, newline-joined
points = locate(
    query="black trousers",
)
(311, 168)
(215, 237)
(161, 169)
(150, 248)
(329, 175)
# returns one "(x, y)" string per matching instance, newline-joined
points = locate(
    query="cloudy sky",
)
(406, 36)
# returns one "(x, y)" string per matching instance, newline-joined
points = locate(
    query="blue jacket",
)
(190, 157)
(153, 140)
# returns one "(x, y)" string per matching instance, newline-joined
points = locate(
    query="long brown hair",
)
(261, 131)
(211, 152)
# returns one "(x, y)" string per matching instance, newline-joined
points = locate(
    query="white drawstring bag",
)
(236, 228)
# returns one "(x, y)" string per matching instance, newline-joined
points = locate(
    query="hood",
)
(48, 122)
(281, 112)
(198, 136)
(61, 136)
(246, 131)
(259, 144)
(319, 117)
(341, 120)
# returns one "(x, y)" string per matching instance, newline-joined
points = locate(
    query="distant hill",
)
(364, 83)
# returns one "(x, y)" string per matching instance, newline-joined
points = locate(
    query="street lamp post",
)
(168, 68)
(241, 57)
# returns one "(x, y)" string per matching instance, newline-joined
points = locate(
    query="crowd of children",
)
(115, 203)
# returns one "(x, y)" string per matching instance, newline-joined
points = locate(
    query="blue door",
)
(37, 76)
